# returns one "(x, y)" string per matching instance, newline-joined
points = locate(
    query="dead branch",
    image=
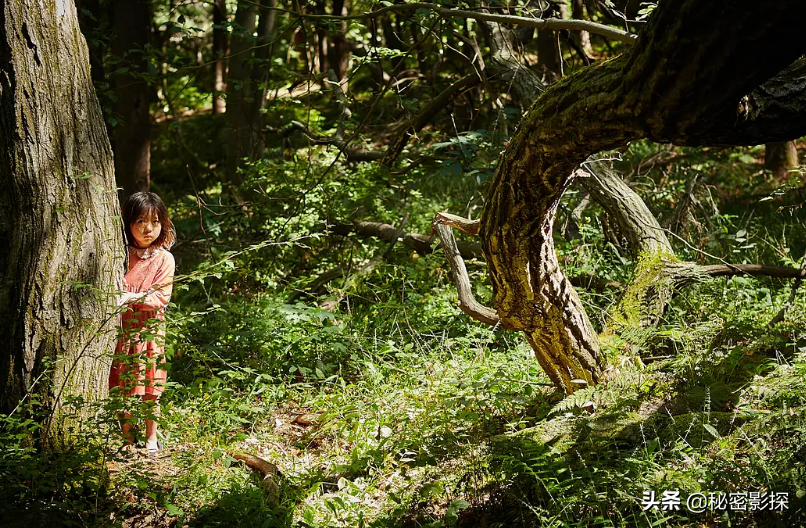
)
(418, 242)
(269, 472)
(316, 284)
(550, 24)
(467, 301)
(465, 225)
(360, 276)
(352, 154)
(755, 270)
(257, 463)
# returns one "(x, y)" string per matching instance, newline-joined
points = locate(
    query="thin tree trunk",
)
(132, 143)
(780, 158)
(582, 38)
(261, 70)
(549, 54)
(239, 89)
(62, 245)
(657, 271)
(506, 69)
(219, 52)
(337, 49)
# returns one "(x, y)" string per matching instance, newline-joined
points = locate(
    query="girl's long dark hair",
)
(145, 203)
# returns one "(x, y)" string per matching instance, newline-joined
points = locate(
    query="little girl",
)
(146, 291)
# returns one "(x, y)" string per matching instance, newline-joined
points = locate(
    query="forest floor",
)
(452, 434)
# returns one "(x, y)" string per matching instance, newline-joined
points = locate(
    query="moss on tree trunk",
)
(62, 245)
(684, 82)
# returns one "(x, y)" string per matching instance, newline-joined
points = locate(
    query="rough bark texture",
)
(132, 143)
(639, 225)
(683, 82)
(62, 246)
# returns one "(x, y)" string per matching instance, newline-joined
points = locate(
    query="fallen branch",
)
(269, 472)
(756, 270)
(316, 284)
(360, 276)
(420, 243)
(352, 154)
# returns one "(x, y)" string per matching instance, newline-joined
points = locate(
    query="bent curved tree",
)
(689, 80)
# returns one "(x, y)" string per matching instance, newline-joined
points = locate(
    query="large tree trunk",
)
(132, 142)
(645, 298)
(219, 52)
(687, 82)
(62, 245)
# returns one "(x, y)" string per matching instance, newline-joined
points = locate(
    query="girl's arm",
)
(159, 294)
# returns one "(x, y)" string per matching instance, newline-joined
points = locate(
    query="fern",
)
(576, 400)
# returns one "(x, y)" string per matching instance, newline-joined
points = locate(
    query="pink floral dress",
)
(140, 352)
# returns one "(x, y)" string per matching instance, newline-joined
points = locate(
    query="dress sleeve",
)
(159, 294)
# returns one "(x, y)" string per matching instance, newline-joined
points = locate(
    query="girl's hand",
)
(125, 298)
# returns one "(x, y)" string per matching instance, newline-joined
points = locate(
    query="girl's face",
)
(146, 229)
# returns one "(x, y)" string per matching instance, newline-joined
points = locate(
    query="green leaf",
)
(458, 505)
(711, 429)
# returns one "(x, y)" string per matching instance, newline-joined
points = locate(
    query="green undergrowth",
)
(392, 408)
(386, 424)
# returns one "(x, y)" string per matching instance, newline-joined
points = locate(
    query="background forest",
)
(304, 150)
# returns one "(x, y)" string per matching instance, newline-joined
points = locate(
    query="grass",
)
(396, 410)
(459, 428)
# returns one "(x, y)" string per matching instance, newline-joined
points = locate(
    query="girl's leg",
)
(151, 425)
(125, 420)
